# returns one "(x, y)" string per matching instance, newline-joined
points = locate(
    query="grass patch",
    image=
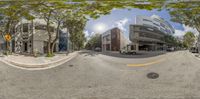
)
(50, 55)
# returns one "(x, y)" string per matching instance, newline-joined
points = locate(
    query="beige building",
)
(31, 36)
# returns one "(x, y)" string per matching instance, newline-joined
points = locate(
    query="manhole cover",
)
(71, 65)
(152, 75)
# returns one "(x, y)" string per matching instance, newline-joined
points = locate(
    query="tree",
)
(93, 42)
(80, 40)
(11, 13)
(186, 13)
(78, 11)
(75, 25)
(189, 39)
(171, 40)
(53, 12)
(59, 15)
(45, 11)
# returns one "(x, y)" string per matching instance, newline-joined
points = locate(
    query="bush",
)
(50, 55)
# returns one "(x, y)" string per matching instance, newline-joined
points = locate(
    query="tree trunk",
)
(7, 31)
(56, 38)
(49, 42)
(49, 54)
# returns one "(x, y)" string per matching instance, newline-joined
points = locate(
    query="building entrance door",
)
(25, 47)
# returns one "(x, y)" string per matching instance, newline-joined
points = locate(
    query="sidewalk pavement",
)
(139, 52)
(28, 62)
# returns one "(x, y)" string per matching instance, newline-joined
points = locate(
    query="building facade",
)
(64, 41)
(2, 44)
(31, 36)
(147, 33)
(113, 40)
(198, 43)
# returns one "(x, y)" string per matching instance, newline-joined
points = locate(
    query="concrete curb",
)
(40, 66)
(198, 58)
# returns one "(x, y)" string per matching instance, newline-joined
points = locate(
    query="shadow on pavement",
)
(141, 54)
(89, 53)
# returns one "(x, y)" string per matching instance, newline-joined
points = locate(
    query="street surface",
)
(93, 75)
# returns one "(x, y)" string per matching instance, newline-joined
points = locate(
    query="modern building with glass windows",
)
(147, 33)
(2, 44)
(64, 41)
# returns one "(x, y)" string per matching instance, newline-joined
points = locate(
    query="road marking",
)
(145, 64)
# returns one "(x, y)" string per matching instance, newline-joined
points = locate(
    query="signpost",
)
(7, 37)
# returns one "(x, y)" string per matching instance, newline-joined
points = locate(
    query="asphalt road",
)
(93, 75)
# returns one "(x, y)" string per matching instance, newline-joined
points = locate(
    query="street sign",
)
(7, 37)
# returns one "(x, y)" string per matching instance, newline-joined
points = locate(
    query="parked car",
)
(193, 50)
(128, 49)
(170, 49)
(98, 49)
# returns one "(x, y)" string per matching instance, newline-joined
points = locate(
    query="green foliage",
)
(186, 13)
(93, 42)
(73, 15)
(50, 55)
(76, 25)
(188, 39)
(170, 40)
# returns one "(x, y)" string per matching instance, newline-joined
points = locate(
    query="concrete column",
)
(136, 41)
(156, 47)
(137, 46)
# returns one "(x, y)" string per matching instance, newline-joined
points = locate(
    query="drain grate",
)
(152, 75)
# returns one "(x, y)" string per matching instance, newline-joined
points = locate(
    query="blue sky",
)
(122, 18)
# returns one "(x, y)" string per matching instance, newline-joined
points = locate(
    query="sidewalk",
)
(139, 54)
(37, 62)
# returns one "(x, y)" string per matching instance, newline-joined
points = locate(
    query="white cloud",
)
(86, 33)
(121, 24)
(180, 33)
(89, 34)
(92, 33)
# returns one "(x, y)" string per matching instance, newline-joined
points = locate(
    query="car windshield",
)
(99, 49)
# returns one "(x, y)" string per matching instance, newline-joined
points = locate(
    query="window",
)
(163, 25)
(25, 27)
(147, 25)
(40, 27)
(51, 29)
(113, 36)
(156, 28)
(43, 27)
(147, 20)
(156, 24)
(162, 30)
(156, 20)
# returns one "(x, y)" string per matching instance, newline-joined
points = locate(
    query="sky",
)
(122, 18)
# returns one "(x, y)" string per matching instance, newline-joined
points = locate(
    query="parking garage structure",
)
(148, 33)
